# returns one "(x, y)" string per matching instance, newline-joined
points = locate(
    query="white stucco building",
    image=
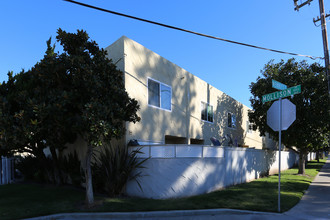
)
(179, 114)
(177, 107)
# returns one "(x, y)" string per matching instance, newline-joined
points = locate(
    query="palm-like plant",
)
(113, 167)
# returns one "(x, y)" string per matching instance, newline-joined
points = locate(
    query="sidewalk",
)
(315, 204)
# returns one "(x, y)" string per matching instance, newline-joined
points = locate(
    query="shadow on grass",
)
(256, 196)
(19, 201)
(314, 165)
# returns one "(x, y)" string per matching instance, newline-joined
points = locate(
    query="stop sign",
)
(288, 115)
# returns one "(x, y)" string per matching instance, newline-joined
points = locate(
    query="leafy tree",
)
(78, 92)
(101, 100)
(36, 112)
(18, 126)
(312, 105)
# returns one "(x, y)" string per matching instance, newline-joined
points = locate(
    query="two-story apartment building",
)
(177, 107)
(180, 113)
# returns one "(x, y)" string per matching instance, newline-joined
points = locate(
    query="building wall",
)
(80, 148)
(158, 126)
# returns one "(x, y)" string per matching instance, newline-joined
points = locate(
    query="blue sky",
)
(26, 25)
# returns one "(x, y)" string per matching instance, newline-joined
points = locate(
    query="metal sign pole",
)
(290, 111)
(279, 156)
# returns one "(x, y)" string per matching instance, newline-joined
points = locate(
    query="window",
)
(175, 140)
(196, 141)
(249, 127)
(159, 94)
(207, 112)
(231, 120)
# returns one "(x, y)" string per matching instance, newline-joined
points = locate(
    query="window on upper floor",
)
(249, 127)
(206, 112)
(159, 94)
(231, 120)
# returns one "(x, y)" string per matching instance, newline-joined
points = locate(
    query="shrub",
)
(71, 169)
(33, 169)
(113, 167)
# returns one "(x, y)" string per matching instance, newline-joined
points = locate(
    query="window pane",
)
(210, 113)
(204, 111)
(249, 127)
(229, 120)
(153, 93)
(165, 96)
(233, 121)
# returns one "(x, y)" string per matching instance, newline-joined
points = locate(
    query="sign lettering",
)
(278, 85)
(281, 94)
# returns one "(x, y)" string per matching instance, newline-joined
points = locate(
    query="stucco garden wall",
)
(183, 170)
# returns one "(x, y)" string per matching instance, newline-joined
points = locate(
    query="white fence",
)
(180, 151)
(6, 170)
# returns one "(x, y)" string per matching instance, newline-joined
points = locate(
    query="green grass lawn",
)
(30, 200)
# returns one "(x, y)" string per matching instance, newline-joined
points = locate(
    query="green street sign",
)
(281, 94)
(278, 85)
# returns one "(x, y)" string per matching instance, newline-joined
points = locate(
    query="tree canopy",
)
(78, 92)
(99, 95)
(312, 123)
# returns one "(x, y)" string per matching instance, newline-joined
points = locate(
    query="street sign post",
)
(281, 94)
(278, 85)
(284, 92)
(288, 115)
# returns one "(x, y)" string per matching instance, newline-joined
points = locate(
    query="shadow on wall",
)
(244, 165)
(292, 159)
(269, 160)
(181, 177)
(170, 178)
(156, 123)
(186, 174)
(268, 143)
(228, 122)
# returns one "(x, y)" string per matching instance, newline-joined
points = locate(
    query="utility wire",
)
(188, 31)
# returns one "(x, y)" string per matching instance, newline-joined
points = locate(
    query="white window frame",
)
(233, 125)
(160, 95)
(207, 105)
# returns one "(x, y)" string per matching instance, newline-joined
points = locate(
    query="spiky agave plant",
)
(71, 166)
(114, 166)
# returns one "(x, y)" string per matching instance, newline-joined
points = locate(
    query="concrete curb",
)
(152, 214)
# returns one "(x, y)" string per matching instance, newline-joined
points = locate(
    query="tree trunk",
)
(57, 170)
(43, 163)
(88, 177)
(318, 156)
(302, 160)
